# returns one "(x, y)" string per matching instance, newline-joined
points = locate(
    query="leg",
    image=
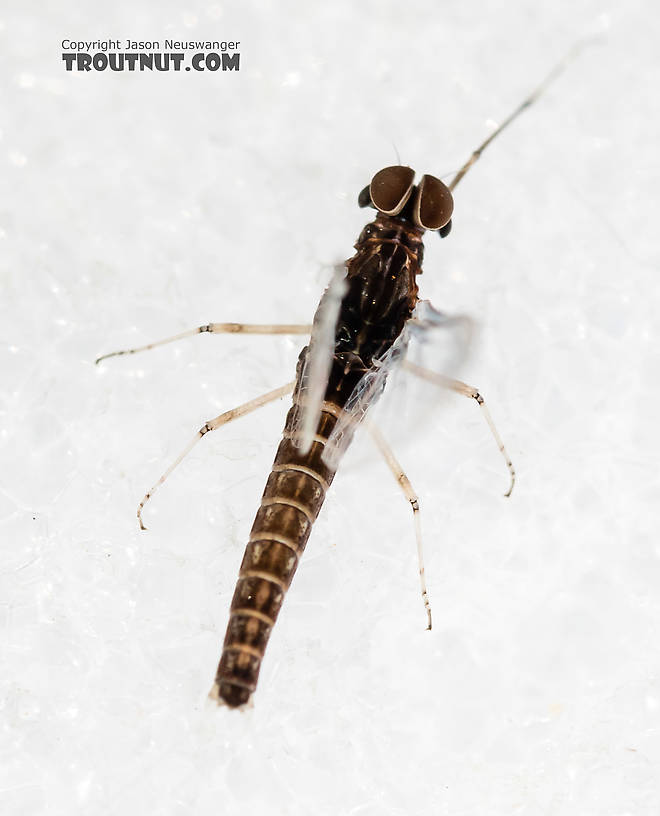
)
(467, 391)
(410, 494)
(211, 425)
(218, 328)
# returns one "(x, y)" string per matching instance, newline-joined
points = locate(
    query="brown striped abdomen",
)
(380, 298)
(292, 499)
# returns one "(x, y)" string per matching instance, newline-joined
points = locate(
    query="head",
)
(427, 205)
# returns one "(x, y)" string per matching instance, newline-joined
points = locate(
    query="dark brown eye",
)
(434, 204)
(390, 188)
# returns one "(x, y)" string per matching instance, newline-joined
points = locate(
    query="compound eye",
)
(390, 188)
(434, 204)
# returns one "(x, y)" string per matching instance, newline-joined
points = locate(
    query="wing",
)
(439, 341)
(365, 394)
(318, 361)
(430, 339)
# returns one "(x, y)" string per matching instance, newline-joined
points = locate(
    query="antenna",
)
(552, 76)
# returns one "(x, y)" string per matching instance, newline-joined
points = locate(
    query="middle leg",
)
(212, 425)
(467, 391)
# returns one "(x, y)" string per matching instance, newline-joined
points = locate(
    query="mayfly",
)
(360, 332)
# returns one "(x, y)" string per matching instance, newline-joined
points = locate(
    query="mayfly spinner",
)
(360, 331)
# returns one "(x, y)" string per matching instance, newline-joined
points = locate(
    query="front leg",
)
(218, 328)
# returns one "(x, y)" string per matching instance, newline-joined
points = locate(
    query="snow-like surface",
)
(138, 205)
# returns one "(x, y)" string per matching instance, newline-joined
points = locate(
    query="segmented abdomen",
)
(381, 296)
(292, 499)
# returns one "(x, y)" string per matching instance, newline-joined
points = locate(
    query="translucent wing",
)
(318, 361)
(430, 340)
(365, 394)
(439, 343)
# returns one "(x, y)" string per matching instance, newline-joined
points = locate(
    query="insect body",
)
(380, 297)
(361, 329)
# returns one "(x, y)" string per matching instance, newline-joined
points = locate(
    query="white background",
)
(138, 205)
